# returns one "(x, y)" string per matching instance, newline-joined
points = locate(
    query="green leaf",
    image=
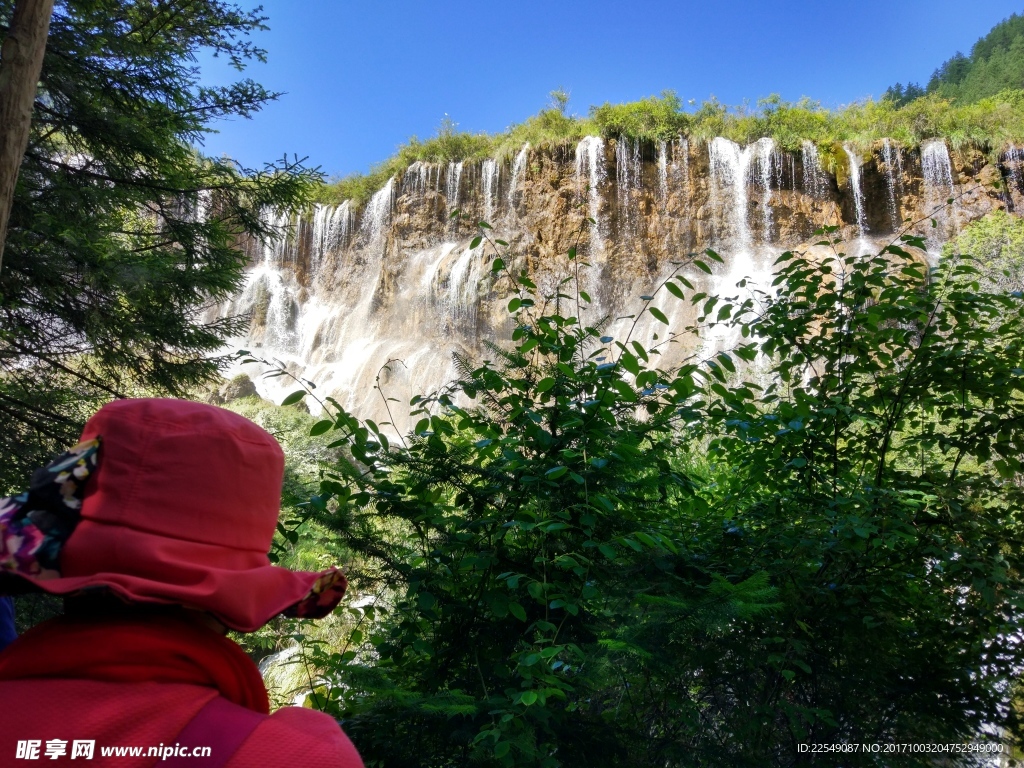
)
(475, 242)
(658, 314)
(545, 384)
(630, 363)
(517, 610)
(528, 698)
(320, 427)
(555, 472)
(294, 397)
(502, 748)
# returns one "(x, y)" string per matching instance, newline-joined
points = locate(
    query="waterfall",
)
(377, 216)
(937, 174)
(590, 174)
(936, 168)
(815, 181)
(1014, 157)
(628, 181)
(332, 226)
(418, 177)
(858, 194)
(765, 166)
(451, 186)
(489, 183)
(452, 281)
(518, 165)
(270, 292)
(732, 169)
(663, 172)
(892, 155)
(396, 281)
(321, 225)
(204, 200)
(728, 184)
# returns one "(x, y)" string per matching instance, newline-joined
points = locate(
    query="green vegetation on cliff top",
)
(988, 124)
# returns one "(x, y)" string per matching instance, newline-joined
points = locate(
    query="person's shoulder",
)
(293, 731)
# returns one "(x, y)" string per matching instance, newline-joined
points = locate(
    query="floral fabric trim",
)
(323, 597)
(35, 524)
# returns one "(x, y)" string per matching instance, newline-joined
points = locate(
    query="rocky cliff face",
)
(379, 300)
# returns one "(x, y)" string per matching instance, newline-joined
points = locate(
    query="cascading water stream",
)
(858, 194)
(419, 178)
(732, 170)
(590, 175)
(332, 226)
(452, 184)
(377, 216)
(489, 174)
(815, 181)
(1012, 160)
(892, 156)
(766, 168)
(939, 190)
(518, 166)
(628, 182)
(663, 172)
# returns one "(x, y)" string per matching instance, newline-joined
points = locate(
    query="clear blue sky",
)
(360, 77)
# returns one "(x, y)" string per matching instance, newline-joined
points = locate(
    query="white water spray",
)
(451, 186)
(732, 170)
(377, 216)
(489, 182)
(858, 194)
(518, 165)
(663, 172)
(590, 175)
(815, 181)
(892, 156)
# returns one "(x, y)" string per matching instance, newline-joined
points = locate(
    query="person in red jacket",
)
(155, 529)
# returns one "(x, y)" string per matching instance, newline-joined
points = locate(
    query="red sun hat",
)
(164, 501)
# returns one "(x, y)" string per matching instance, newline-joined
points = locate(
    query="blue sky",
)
(360, 77)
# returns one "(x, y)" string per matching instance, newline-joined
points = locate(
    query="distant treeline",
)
(996, 64)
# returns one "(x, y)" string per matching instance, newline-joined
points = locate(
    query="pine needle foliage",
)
(121, 233)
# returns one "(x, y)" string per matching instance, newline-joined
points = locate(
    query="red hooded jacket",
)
(135, 684)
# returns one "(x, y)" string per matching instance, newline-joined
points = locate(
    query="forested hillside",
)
(995, 64)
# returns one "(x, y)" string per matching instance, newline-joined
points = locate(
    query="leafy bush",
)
(580, 558)
(649, 119)
(997, 242)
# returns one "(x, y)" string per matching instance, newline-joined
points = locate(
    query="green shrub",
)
(812, 536)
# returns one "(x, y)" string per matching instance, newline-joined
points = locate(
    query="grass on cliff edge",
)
(989, 125)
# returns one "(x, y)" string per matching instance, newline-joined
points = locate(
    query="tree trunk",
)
(21, 60)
